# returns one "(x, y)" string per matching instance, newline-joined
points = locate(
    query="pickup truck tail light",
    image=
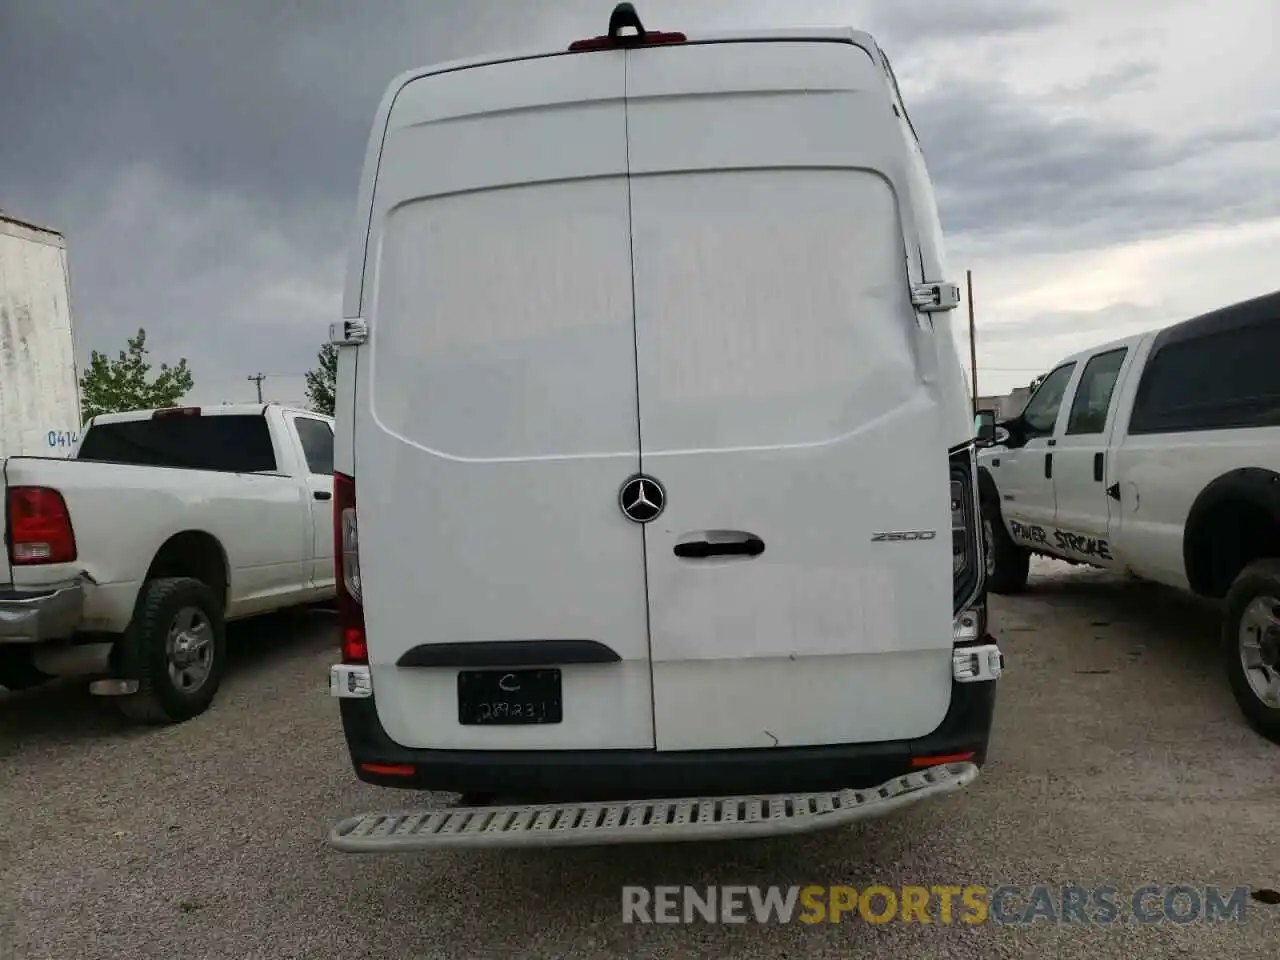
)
(346, 559)
(966, 543)
(40, 528)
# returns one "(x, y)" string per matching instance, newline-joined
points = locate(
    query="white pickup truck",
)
(124, 562)
(1158, 456)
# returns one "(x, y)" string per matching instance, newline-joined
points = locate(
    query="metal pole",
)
(973, 343)
(258, 380)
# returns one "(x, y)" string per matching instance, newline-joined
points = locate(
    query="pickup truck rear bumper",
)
(37, 614)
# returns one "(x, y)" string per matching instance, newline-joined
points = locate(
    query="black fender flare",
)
(1255, 487)
(988, 492)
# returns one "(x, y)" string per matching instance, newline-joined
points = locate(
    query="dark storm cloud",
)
(203, 160)
(269, 99)
(1006, 166)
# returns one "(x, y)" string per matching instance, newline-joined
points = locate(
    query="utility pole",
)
(973, 343)
(258, 378)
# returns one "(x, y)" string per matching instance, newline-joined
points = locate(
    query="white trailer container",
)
(39, 388)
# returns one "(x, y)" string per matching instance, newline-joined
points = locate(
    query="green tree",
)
(113, 386)
(322, 381)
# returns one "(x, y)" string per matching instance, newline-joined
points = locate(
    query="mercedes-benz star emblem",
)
(642, 498)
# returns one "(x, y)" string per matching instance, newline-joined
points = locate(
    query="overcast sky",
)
(1102, 167)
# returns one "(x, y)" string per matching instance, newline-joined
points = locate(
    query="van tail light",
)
(346, 561)
(40, 528)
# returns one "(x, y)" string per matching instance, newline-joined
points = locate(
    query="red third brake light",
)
(346, 569)
(39, 527)
(624, 15)
(176, 412)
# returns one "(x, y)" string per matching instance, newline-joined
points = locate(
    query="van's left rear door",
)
(496, 412)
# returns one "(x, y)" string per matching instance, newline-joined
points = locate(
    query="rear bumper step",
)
(642, 821)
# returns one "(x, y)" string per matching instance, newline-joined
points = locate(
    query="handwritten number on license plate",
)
(509, 697)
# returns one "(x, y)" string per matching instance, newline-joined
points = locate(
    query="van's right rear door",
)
(783, 396)
(496, 410)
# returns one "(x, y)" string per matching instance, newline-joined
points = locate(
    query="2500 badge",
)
(1063, 541)
(900, 535)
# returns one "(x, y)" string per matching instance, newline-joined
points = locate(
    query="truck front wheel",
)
(1008, 565)
(1251, 645)
(176, 649)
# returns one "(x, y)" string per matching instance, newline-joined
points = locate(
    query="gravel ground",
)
(1119, 758)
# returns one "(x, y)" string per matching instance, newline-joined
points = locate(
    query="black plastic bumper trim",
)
(585, 774)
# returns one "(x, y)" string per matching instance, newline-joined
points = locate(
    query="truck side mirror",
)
(984, 425)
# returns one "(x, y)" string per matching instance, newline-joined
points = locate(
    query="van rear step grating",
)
(639, 821)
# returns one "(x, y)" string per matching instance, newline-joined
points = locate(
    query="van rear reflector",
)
(939, 759)
(389, 769)
(624, 15)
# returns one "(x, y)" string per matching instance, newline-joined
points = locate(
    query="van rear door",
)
(496, 410)
(782, 403)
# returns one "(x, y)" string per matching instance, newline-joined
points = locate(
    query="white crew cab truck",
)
(1159, 456)
(656, 487)
(123, 563)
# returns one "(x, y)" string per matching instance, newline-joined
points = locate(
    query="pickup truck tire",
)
(1251, 630)
(1008, 565)
(176, 649)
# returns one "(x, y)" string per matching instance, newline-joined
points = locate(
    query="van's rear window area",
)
(233, 444)
(504, 322)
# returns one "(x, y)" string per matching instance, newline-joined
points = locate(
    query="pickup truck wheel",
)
(1008, 565)
(176, 650)
(18, 671)
(1251, 645)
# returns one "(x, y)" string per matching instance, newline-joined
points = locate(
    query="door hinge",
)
(935, 297)
(348, 332)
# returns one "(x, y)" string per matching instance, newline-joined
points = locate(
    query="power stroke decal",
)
(1063, 541)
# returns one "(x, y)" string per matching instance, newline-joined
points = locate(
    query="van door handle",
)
(1097, 466)
(322, 495)
(1048, 465)
(719, 543)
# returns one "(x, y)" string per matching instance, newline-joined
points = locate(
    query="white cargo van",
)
(659, 433)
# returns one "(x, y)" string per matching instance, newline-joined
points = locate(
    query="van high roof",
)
(829, 34)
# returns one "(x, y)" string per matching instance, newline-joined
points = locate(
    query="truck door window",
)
(1041, 411)
(1093, 395)
(316, 437)
(233, 443)
(1217, 381)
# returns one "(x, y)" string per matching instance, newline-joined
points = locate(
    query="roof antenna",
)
(624, 15)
